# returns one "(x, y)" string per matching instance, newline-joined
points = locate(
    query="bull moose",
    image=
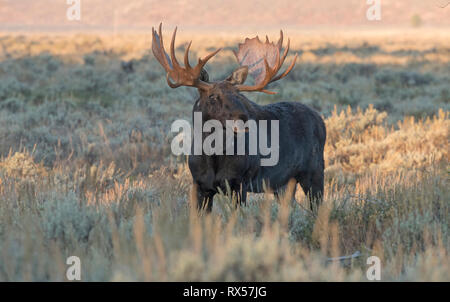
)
(302, 131)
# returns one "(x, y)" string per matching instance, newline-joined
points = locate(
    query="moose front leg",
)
(244, 197)
(205, 202)
(287, 192)
(201, 198)
(241, 195)
(235, 190)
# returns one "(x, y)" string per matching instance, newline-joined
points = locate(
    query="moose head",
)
(222, 100)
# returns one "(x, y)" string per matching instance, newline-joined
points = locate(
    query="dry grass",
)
(86, 168)
(361, 141)
(145, 229)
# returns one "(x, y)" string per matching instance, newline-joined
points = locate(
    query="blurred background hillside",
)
(141, 14)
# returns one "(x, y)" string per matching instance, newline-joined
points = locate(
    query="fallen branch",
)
(354, 255)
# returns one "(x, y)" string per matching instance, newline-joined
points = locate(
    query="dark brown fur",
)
(302, 139)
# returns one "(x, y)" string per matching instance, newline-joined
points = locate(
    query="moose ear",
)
(238, 76)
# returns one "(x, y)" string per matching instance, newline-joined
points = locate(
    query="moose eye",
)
(214, 99)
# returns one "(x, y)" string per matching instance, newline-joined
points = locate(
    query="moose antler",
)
(186, 76)
(263, 61)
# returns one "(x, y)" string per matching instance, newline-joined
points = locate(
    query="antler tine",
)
(286, 50)
(280, 40)
(260, 86)
(186, 57)
(202, 62)
(161, 45)
(277, 64)
(268, 74)
(183, 76)
(157, 50)
(253, 51)
(287, 70)
(175, 63)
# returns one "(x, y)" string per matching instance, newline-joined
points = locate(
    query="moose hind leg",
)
(312, 185)
(305, 181)
(317, 188)
(242, 195)
(204, 199)
(205, 202)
